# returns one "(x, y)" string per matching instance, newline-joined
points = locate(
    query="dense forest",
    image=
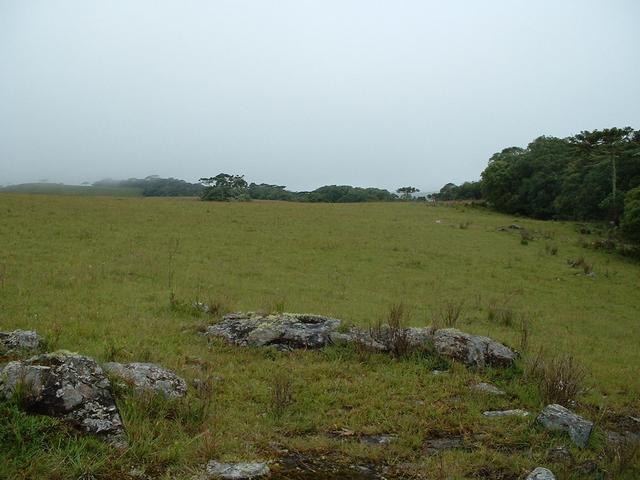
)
(593, 175)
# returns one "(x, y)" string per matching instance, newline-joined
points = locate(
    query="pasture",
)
(115, 278)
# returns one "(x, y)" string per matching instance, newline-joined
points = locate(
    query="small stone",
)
(557, 417)
(487, 388)
(236, 471)
(385, 439)
(149, 377)
(541, 473)
(506, 413)
(439, 372)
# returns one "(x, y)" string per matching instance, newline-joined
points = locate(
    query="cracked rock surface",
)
(69, 386)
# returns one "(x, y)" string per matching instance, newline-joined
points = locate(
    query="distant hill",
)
(62, 189)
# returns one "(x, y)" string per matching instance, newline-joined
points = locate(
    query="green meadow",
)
(115, 278)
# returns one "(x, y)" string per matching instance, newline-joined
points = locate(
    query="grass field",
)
(95, 275)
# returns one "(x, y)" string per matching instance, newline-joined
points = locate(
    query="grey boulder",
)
(236, 471)
(541, 473)
(149, 377)
(69, 386)
(285, 331)
(472, 350)
(557, 417)
(16, 340)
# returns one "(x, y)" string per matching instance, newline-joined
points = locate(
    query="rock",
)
(69, 386)
(26, 340)
(472, 349)
(560, 454)
(506, 413)
(433, 446)
(439, 372)
(487, 388)
(541, 473)
(617, 439)
(236, 471)
(285, 331)
(556, 417)
(385, 439)
(149, 377)
(355, 335)
(587, 467)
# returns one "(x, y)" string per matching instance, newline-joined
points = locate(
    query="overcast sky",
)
(304, 93)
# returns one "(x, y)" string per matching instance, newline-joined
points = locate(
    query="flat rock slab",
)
(16, 340)
(557, 417)
(149, 377)
(236, 471)
(433, 446)
(285, 331)
(541, 473)
(474, 350)
(506, 413)
(384, 439)
(487, 388)
(68, 386)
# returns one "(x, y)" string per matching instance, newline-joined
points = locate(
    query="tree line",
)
(226, 187)
(592, 175)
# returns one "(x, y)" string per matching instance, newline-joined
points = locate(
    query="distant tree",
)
(224, 187)
(406, 193)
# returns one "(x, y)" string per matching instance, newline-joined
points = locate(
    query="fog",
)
(304, 93)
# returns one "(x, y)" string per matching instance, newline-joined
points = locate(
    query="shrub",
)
(560, 378)
(394, 332)
(501, 314)
(525, 236)
(448, 314)
(281, 393)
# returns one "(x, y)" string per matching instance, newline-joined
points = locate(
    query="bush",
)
(560, 378)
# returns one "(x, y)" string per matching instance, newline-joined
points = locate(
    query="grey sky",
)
(304, 93)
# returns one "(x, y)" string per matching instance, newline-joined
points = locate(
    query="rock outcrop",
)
(285, 331)
(19, 340)
(289, 331)
(68, 386)
(557, 417)
(236, 471)
(148, 377)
